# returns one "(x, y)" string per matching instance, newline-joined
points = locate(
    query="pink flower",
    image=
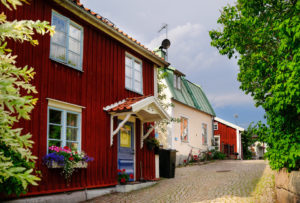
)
(119, 171)
(184, 161)
(123, 170)
(123, 180)
(131, 176)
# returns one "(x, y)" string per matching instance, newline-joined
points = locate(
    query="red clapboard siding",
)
(227, 135)
(101, 83)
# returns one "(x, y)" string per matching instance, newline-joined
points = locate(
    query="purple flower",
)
(87, 159)
(49, 158)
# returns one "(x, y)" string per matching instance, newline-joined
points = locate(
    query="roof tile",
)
(127, 105)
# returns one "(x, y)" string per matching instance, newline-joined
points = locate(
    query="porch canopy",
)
(146, 108)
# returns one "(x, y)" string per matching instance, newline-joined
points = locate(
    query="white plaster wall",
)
(195, 120)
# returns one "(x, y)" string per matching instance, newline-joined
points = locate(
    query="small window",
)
(215, 126)
(204, 133)
(184, 129)
(217, 143)
(133, 74)
(67, 42)
(177, 82)
(64, 128)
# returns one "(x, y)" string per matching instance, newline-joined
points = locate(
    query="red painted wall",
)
(227, 135)
(101, 83)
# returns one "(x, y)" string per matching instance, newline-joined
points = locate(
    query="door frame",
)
(132, 121)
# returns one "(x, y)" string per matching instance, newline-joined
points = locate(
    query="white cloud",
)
(229, 99)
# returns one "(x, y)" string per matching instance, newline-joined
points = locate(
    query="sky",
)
(190, 52)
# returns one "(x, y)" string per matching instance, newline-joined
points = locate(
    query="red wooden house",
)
(96, 90)
(227, 137)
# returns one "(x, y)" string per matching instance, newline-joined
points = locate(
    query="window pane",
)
(54, 143)
(128, 71)
(54, 132)
(125, 136)
(184, 129)
(74, 32)
(60, 24)
(137, 66)
(72, 134)
(137, 76)
(73, 59)
(128, 61)
(137, 86)
(174, 81)
(178, 83)
(59, 38)
(73, 146)
(55, 116)
(74, 45)
(128, 82)
(58, 52)
(72, 119)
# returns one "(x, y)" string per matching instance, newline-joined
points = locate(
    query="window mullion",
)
(67, 41)
(64, 130)
(132, 70)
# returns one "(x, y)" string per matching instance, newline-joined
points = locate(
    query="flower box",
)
(80, 164)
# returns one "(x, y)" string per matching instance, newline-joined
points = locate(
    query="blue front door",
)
(126, 148)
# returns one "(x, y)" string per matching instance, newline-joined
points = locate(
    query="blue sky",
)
(188, 25)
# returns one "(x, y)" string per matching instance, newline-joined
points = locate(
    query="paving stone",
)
(239, 181)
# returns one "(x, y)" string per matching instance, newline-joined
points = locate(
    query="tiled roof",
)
(124, 105)
(111, 24)
(190, 94)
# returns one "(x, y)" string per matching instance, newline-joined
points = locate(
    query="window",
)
(204, 133)
(133, 74)
(177, 82)
(215, 125)
(184, 129)
(67, 42)
(217, 143)
(64, 128)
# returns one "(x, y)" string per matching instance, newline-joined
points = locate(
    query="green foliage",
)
(16, 159)
(247, 141)
(264, 35)
(217, 155)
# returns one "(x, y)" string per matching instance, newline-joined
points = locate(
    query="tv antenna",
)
(164, 26)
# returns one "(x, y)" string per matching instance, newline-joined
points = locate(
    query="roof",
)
(147, 108)
(110, 28)
(124, 105)
(190, 94)
(229, 124)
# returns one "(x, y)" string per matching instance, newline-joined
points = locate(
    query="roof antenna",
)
(165, 43)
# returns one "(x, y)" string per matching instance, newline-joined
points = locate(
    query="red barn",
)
(96, 90)
(227, 137)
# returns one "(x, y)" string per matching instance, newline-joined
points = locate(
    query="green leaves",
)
(265, 36)
(16, 159)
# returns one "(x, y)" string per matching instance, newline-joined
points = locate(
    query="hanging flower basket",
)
(66, 159)
(152, 143)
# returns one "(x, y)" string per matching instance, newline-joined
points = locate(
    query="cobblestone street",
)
(220, 181)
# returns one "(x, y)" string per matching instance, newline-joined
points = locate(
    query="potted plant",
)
(152, 143)
(123, 177)
(66, 159)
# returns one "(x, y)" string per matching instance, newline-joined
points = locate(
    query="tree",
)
(264, 35)
(248, 140)
(16, 159)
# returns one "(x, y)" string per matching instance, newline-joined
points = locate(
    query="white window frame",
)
(188, 137)
(218, 136)
(64, 127)
(216, 125)
(137, 60)
(68, 23)
(203, 133)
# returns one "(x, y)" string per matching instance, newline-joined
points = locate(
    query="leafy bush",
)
(16, 159)
(218, 155)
